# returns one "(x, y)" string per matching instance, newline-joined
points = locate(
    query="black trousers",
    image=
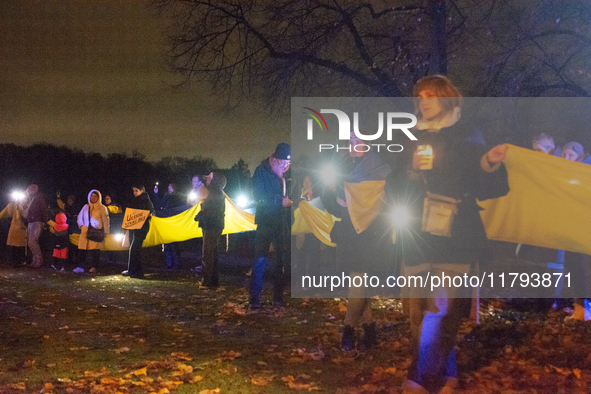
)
(136, 239)
(89, 258)
(17, 255)
(209, 265)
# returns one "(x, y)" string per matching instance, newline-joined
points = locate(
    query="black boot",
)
(348, 341)
(370, 335)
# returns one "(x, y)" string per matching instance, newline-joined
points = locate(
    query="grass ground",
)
(67, 333)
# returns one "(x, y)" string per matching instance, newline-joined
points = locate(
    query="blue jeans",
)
(173, 255)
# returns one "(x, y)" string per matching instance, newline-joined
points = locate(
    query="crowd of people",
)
(455, 171)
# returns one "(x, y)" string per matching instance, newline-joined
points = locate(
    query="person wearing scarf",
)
(93, 214)
(449, 161)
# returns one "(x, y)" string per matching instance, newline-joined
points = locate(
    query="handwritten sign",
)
(134, 218)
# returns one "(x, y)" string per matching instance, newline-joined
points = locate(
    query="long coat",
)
(17, 234)
(98, 216)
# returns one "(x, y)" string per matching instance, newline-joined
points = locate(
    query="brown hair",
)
(441, 87)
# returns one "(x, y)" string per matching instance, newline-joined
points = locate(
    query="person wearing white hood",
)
(95, 215)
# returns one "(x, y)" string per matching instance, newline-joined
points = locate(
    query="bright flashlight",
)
(328, 174)
(18, 195)
(193, 196)
(242, 201)
(401, 216)
(119, 237)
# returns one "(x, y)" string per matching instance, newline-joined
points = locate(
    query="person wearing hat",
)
(36, 215)
(61, 241)
(272, 219)
(574, 151)
(545, 144)
(142, 201)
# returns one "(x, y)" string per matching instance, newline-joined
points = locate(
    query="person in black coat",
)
(273, 220)
(211, 220)
(449, 168)
(141, 201)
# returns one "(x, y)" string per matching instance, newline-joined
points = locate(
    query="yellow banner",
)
(309, 219)
(181, 227)
(547, 205)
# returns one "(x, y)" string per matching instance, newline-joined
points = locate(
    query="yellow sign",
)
(134, 218)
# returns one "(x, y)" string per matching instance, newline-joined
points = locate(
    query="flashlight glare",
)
(328, 174)
(18, 195)
(242, 201)
(401, 216)
(193, 196)
(119, 237)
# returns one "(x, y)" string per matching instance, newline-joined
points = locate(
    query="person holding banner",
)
(361, 244)
(138, 231)
(449, 170)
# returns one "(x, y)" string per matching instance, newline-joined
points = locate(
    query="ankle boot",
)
(370, 335)
(348, 341)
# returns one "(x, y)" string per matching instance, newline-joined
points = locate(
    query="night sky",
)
(92, 75)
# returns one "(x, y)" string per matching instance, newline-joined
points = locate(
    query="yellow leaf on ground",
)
(142, 371)
(212, 391)
(196, 379)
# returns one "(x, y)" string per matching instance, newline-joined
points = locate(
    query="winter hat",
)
(32, 189)
(575, 147)
(60, 222)
(283, 151)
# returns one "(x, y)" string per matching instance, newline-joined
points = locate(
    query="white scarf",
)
(448, 120)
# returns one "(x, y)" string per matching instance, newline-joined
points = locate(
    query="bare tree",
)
(530, 48)
(283, 48)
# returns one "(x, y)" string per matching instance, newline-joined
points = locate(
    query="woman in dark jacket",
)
(141, 201)
(449, 170)
(211, 220)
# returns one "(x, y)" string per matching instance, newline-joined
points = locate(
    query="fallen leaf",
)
(120, 350)
(141, 371)
(212, 391)
(262, 380)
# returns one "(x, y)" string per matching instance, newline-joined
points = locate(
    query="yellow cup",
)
(425, 153)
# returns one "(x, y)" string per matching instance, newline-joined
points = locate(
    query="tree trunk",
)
(438, 39)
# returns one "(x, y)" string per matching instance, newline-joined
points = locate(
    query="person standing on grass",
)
(36, 215)
(166, 206)
(211, 220)
(93, 214)
(17, 233)
(449, 167)
(141, 201)
(272, 219)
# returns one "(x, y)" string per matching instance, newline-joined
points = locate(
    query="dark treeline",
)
(71, 171)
